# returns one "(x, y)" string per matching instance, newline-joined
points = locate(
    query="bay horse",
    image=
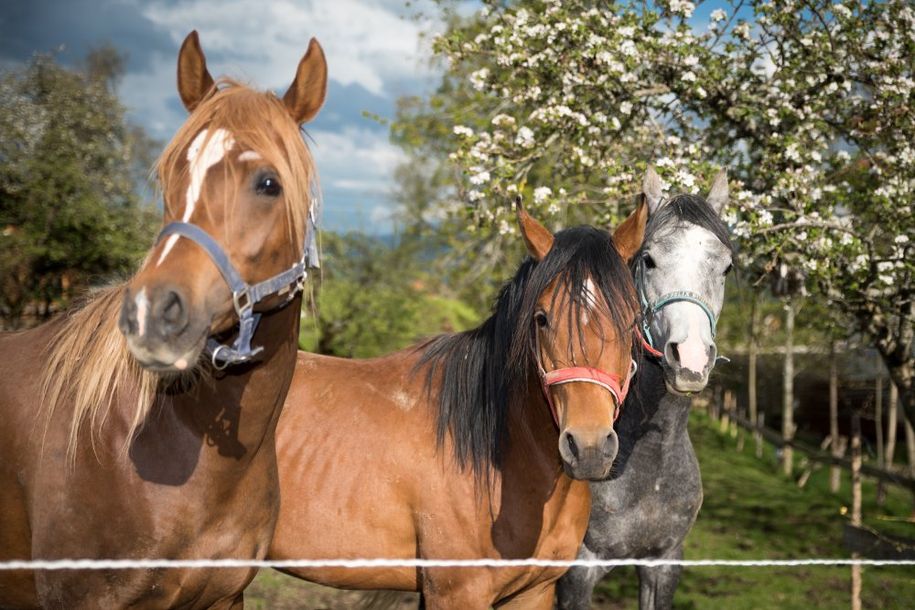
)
(471, 445)
(650, 502)
(135, 427)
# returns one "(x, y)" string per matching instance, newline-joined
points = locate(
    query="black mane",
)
(690, 209)
(484, 372)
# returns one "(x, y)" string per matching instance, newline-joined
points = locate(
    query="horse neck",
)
(531, 430)
(651, 408)
(238, 411)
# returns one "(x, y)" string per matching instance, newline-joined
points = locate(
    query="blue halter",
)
(244, 295)
(649, 309)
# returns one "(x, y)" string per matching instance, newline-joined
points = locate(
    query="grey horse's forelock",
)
(686, 209)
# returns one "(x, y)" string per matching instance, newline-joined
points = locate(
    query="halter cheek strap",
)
(650, 309)
(244, 295)
(617, 386)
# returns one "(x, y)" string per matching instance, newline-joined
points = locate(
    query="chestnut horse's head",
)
(237, 184)
(562, 326)
(582, 326)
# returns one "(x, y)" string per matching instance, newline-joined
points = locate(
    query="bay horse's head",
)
(237, 184)
(680, 273)
(582, 329)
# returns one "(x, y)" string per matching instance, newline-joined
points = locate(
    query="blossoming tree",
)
(807, 102)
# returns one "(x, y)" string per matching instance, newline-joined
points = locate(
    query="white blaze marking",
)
(691, 255)
(250, 155)
(142, 311)
(590, 298)
(693, 352)
(200, 162)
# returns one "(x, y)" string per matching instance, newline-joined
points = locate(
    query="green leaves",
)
(375, 298)
(69, 212)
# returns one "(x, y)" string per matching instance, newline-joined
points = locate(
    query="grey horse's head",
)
(680, 273)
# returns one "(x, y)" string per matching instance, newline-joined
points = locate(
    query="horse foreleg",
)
(575, 588)
(536, 598)
(467, 593)
(658, 584)
(236, 603)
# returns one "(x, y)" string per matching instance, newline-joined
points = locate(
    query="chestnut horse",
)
(155, 439)
(471, 445)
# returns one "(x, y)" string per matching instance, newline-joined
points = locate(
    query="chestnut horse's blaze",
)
(449, 449)
(169, 466)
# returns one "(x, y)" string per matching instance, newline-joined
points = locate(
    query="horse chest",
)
(649, 509)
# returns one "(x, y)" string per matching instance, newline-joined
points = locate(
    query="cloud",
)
(375, 53)
(356, 168)
(368, 42)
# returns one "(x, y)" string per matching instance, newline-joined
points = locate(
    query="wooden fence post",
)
(856, 503)
(834, 472)
(753, 349)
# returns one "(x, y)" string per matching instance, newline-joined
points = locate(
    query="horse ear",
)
(718, 195)
(629, 235)
(194, 80)
(537, 237)
(306, 93)
(651, 190)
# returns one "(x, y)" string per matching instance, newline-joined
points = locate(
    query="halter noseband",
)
(649, 309)
(614, 384)
(244, 295)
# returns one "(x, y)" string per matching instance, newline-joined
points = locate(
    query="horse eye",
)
(649, 262)
(728, 270)
(268, 186)
(541, 320)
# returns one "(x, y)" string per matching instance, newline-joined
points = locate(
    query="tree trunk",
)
(835, 473)
(910, 449)
(878, 424)
(856, 503)
(892, 423)
(902, 375)
(751, 368)
(788, 390)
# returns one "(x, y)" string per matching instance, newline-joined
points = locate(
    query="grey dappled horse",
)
(648, 505)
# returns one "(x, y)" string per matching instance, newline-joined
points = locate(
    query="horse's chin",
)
(679, 386)
(164, 361)
(677, 392)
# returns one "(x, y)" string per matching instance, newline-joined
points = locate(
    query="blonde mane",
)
(88, 363)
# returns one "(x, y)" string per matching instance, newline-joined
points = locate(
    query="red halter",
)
(617, 387)
(647, 346)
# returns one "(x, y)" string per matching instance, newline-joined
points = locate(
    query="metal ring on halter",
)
(244, 295)
(214, 356)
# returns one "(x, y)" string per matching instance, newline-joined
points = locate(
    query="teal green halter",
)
(649, 309)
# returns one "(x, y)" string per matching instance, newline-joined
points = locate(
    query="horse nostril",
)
(610, 444)
(673, 353)
(128, 320)
(573, 448)
(173, 314)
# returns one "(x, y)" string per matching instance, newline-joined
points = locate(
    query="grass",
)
(750, 511)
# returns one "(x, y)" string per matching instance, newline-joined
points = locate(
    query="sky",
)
(376, 52)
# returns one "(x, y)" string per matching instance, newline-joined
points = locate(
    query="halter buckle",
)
(242, 301)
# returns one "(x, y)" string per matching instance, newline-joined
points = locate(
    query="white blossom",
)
(542, 193)
(525, 137)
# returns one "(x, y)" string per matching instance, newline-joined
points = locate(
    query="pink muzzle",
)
(617, 386)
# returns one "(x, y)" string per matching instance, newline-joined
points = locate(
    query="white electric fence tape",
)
(145, 564)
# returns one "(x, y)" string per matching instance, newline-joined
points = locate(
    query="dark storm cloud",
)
(71, 27)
